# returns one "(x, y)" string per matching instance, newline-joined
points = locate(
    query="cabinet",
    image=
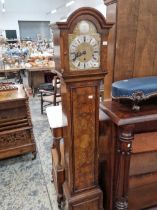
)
(16, 133)
(133, 155)
(131, 44)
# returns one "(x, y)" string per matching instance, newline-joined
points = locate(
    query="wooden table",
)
(35, 76)
(57, 121)
(133, 154)
(16, 133)
(10, 70)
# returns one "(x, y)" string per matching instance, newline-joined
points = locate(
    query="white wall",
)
(39, 10)
(30, 10)
(63, 12)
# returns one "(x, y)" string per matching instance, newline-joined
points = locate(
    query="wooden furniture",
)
(50, 94)
(79, 55)
(57, 121)
(16, 134)
(131, 49)
(133, 156)
(10, 70)
(33, 77)
(129, 43)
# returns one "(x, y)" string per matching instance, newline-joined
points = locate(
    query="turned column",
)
(122, 166)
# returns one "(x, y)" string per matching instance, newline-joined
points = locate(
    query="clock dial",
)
(84, 51)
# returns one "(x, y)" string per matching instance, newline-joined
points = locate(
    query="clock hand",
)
(76, 55)
(79, 54)
(84, 52)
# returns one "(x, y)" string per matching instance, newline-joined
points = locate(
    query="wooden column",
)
(122, 166)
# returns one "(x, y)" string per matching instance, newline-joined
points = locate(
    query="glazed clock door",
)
(84, 47)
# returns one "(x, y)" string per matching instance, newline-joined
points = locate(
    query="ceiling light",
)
(69, 3)
(2, 1)
(53, 11)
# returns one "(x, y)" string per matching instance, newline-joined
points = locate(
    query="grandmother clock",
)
(80, 59)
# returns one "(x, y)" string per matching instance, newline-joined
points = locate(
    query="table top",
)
(15, 94)
(56, 117)
(44, 68)
(10, 70)
(122, 114)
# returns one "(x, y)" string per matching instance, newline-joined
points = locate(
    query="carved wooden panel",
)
(16, 134)
(84, 116)
(14, 139)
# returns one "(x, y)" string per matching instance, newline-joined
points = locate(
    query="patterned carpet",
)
(25, 184)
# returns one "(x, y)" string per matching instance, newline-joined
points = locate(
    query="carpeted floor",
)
(25, 184)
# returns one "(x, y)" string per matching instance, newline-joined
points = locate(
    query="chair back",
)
(57, 90)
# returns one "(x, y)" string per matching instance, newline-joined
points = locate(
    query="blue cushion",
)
(126, 88)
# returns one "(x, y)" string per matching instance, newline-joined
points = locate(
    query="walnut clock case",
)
(80, 59)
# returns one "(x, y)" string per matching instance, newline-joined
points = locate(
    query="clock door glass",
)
(84, 47)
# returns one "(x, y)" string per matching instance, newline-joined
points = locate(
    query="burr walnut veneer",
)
(16, 134)
(57, 121)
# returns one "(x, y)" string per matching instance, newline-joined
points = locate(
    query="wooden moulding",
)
(144, 142)
(141, 180)
(143, 197)
(143, 163)
(108, 2)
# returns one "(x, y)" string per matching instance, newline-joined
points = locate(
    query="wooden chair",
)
(50, 93)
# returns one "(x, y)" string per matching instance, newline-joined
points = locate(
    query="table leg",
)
(122, 166)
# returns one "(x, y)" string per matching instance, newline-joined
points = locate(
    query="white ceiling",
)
(63, 12)
(44, 7)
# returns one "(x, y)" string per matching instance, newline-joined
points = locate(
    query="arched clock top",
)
(85, 13)
(80, 43)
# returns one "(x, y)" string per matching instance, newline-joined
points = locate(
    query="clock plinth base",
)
(88, 200)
